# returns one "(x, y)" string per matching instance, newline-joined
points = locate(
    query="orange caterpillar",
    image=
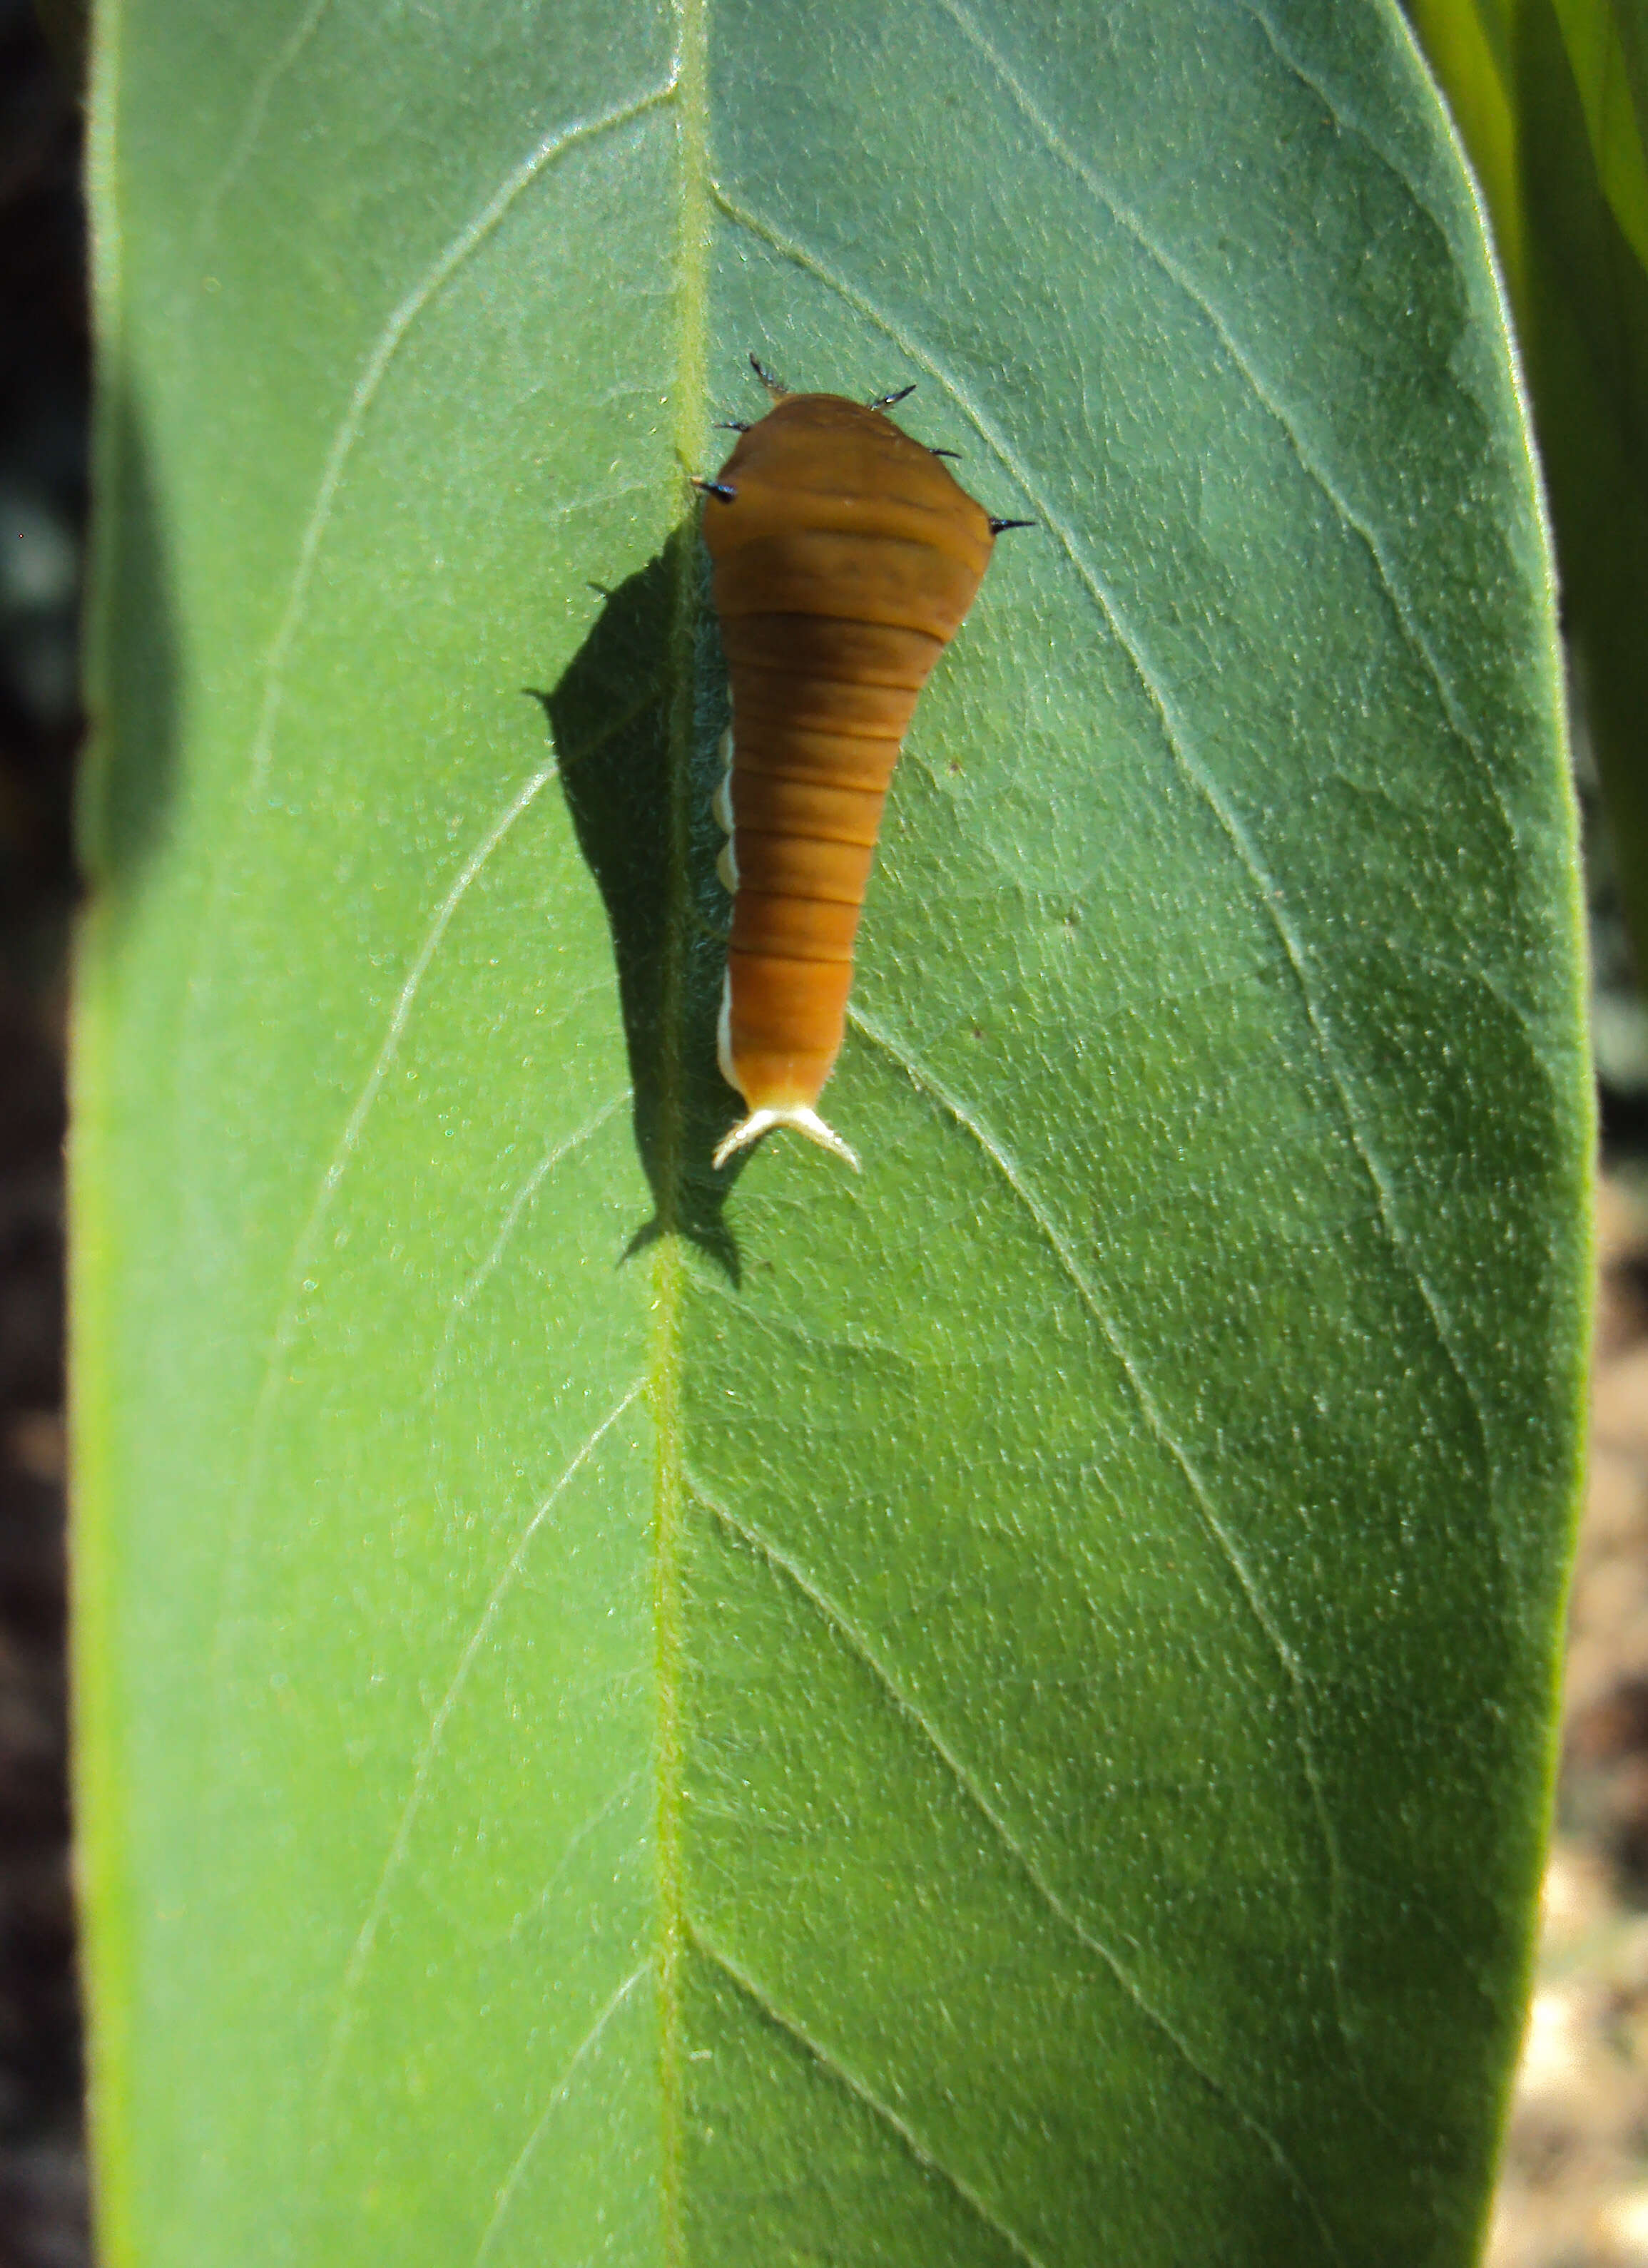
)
(846, 556)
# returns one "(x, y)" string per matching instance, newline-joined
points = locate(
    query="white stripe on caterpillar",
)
(721, 807)
(724, 1030)
(722, 801)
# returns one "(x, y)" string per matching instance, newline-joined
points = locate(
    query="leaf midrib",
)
(666, 1357)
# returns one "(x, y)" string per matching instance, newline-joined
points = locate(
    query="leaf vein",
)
(347, 1145)
(858, 1644)
(1262, 391)
(375, 369)
(465, 1297)
(1013, 1174)
(832, 2065)
(1344, 118)
(557, 2095)
(365, 1937)
(256, 108)
(1247, 1583)
(651, 698)
(586, 1827)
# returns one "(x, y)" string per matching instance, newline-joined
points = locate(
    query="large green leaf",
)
(1552, 98)
(994, 1712)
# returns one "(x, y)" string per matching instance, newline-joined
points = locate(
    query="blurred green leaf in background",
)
(994, 1712)
(1551, 99)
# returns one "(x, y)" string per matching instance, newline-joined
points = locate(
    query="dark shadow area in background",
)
(43, 391)
(610, 720)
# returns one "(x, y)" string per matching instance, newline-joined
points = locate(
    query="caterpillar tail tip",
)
(798, 1116)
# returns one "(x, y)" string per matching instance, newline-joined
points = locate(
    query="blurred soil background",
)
(1574, 2187)
(1573, 2191)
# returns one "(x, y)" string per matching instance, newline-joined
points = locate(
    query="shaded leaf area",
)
(613, 746)
(948, 1715)
(1552, 100)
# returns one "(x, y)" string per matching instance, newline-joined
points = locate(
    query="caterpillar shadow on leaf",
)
(610, 718)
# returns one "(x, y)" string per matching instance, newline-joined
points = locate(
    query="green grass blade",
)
(1552, 99)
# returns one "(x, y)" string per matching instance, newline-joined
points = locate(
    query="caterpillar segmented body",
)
(844, 556)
